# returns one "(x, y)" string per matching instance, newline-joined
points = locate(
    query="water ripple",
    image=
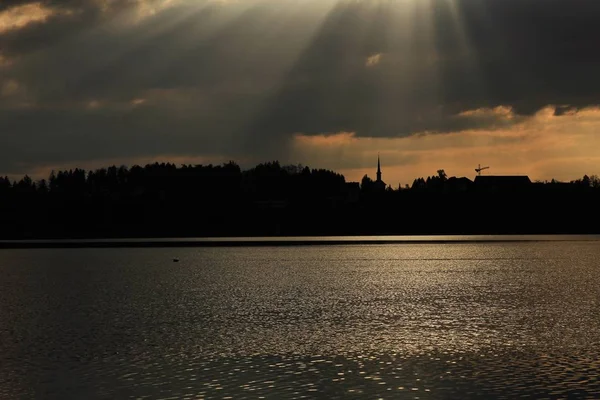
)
(401, 321)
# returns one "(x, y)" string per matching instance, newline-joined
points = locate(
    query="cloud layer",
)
(87, 81)
(544, 146)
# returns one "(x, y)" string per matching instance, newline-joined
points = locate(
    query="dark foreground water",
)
(414, 321)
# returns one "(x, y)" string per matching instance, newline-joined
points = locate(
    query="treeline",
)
(164, 200)
(266, 180)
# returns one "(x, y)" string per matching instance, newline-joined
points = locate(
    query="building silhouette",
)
(496, 183)
(379, 184)
(455, 184)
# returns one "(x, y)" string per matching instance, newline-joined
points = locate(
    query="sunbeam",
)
(244, 78)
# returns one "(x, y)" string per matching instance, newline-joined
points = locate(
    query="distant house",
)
(496, 183)
(455, 184)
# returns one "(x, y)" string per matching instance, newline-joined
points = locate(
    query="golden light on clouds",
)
(497, 112)
(4, 61)
(141, 8)
(151, 8)
(374, 60)
(20, 16)
(10, 88)
(94, 104)
(120, 105)
(544, 146)
(137, 102)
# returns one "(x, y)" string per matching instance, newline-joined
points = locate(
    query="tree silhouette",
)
(366, 184)
(162, 199)
(442, 175)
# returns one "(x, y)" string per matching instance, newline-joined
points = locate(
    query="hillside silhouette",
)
(163, 200)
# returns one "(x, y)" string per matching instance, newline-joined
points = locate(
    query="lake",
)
(404, 320)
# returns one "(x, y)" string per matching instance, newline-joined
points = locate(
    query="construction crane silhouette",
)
(480, 168)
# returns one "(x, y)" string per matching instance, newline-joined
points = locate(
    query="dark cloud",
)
(240, 78)
(524, 54)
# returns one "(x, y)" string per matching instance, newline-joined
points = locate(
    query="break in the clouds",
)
(88, 81)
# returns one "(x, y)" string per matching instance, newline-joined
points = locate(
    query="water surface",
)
(428, 321)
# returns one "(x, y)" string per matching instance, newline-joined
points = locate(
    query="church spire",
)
(378, 169)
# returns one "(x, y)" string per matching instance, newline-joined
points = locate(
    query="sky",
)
(427, 84)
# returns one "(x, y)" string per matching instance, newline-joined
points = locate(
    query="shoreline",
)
(287, 241)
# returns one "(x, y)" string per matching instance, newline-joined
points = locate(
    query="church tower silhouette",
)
(379, 184)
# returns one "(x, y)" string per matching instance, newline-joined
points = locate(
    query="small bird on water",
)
(176, 260)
